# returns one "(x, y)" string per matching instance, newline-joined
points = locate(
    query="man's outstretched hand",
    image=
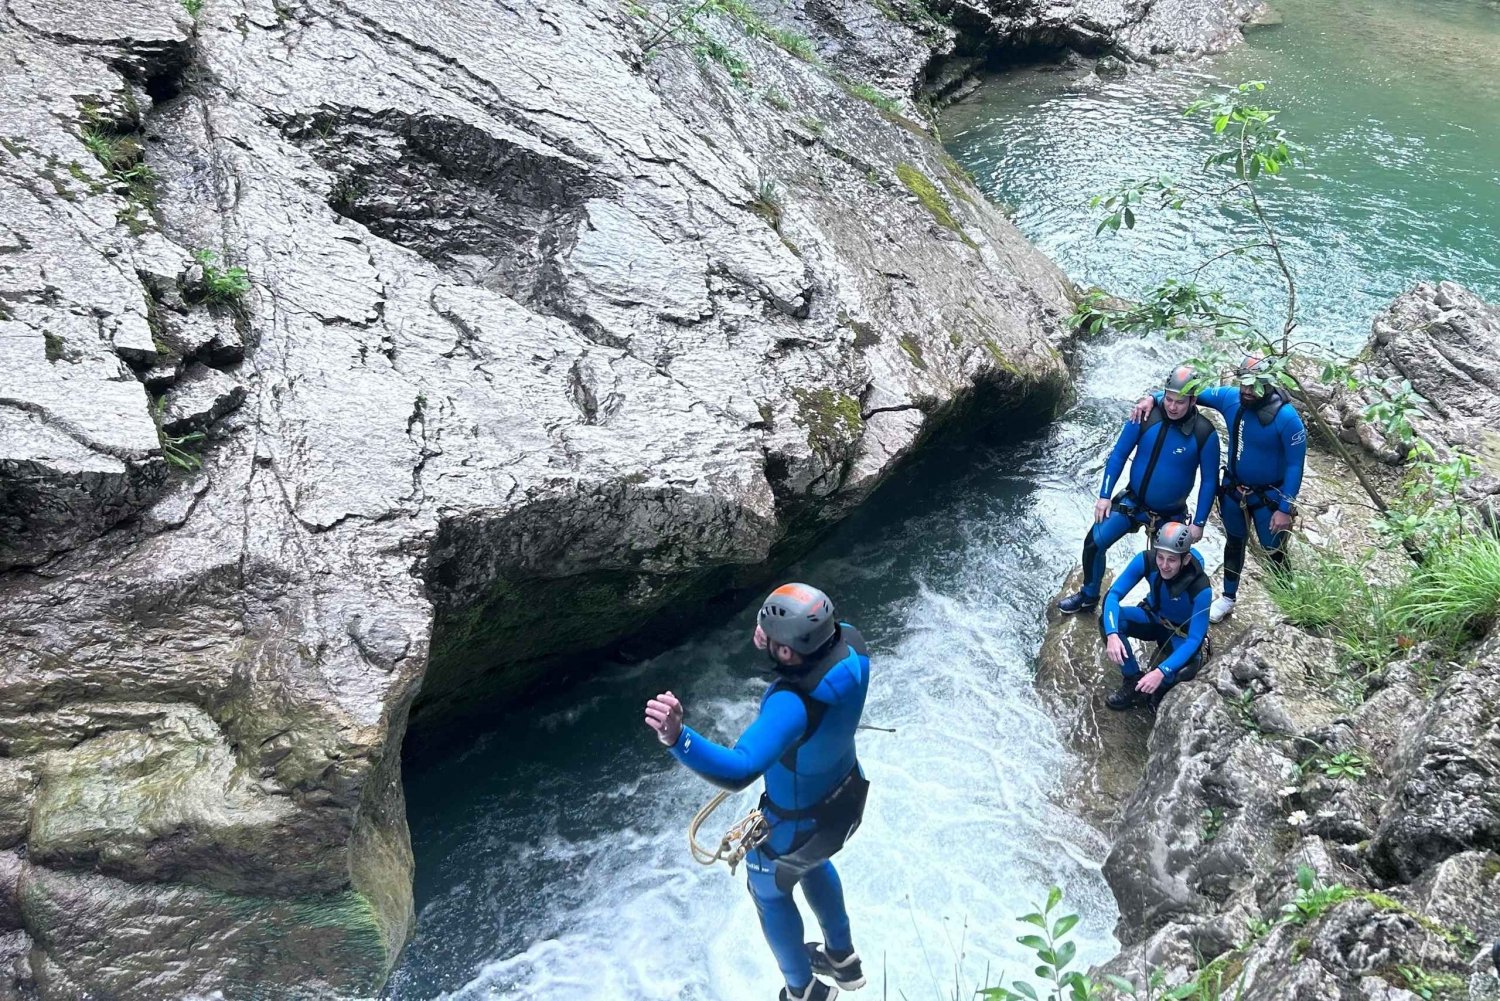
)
(664, 715)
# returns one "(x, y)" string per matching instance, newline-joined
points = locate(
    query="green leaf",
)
(1129, 219)
(1178, 993)
(1066, 953)
(1065, 924)
(1034, 919)
(1033, 942)
(1026, 990)
(1121, 984)
(1054, 895)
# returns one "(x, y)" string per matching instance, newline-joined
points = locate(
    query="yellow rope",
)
(736, 843)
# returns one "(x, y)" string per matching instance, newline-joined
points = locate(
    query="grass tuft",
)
(1455, 593)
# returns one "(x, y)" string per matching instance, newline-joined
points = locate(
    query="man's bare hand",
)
(1142, 409)
(1115, 648)
(664, 715)
(1151, 682)
(1101, 509)
(1195, 532)
(1280, 522)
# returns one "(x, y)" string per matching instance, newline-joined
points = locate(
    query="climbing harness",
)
(739, 841)
(746, 835)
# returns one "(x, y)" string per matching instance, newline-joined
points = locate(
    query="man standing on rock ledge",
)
(814, 798)
(1174, 615)
(1263, 469)
(1172, 447)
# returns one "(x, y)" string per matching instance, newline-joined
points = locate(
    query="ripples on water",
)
(550, 855)
(1398, 105)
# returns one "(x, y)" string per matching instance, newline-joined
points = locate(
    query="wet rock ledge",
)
(1231, 798)
(537, 334)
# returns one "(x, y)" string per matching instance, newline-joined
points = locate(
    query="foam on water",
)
(552, 862)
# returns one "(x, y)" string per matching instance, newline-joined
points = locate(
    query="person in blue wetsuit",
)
(1173, 447)
(1174, 616)
(1263, 469)
(803, 744)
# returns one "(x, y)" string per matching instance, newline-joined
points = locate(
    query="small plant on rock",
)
(1313, 898)
(1428, 986)
(221, 284)
(1346, 765)
(177, 449)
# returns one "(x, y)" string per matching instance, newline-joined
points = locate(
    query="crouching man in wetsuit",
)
(803, 743)
(1174, 615)
(1173, 446)
(1263, 470)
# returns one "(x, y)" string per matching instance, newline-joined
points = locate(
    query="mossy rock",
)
(832, 419)
(926, 192)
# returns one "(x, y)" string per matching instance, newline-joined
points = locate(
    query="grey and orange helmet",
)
(1180, 379)
(1255, 373)
(1173, 537)
(798, 616)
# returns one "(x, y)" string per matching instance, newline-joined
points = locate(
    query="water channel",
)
(551, 861)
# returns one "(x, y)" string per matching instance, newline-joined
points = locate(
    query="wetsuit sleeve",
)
(1197, 632)
(1294, 442)
(1220, 398)
(781, 721)
(1131, 576)
(1208, 479)
(1130, 435)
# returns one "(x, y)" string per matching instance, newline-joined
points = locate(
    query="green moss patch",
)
(832, 420)
(920, 185)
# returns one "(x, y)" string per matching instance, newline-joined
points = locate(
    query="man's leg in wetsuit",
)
(825, 895)
(1275, 545)
(1137, 623)
(780, 921)
(1235, 534)
(1096, 545)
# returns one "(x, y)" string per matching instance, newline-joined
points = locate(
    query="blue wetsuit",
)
(1263, 472)
(803, 743)
(1267, 450)
(1174, 615)
(1169, 456)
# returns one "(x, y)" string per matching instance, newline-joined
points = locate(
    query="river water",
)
(551, 856)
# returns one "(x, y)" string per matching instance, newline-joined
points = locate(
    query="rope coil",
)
(737, 842)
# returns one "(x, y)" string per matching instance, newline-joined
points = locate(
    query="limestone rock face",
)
(1136, 30)
(1445, 342)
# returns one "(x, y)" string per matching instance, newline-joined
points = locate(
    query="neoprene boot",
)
(815, 991)
(842, 968)
(1125, 697)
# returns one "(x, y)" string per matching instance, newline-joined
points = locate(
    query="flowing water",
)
(551, 861)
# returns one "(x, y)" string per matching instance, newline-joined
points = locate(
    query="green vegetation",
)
(682, 23)
(865, 92)
(1455, 593)
(1448, 600)
(193, 7)
(1213, 819)
(221, 284)
(767, 202)
(833, 420)
(920, 185)
(1425, 985)
(178, 450)
(1346, 765)
(122, 157)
